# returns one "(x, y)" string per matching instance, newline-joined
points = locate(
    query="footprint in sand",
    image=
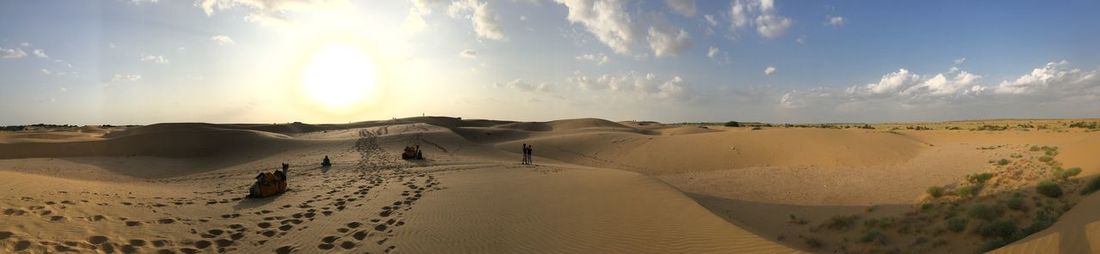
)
(202, 244)
(56, 218)
(5, 235)
(285, 227)
(347, 245)
(97, 240)
(22, 245)
(268, 233)
(285, 250)
(264, 224)
(133, 223)
(166, 221)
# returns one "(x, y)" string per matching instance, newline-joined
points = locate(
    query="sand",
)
(598, 186)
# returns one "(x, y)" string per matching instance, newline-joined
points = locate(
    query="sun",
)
(340, 77)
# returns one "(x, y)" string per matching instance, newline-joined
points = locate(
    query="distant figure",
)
(325, 162)
(419, 155)
(286, 173)
(524, 154)
(530, 152)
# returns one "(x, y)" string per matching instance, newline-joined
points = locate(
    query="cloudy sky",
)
(147, 61)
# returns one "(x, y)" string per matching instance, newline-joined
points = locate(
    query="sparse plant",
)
(983, 211)
(813, 243)
(1003, 162)
(968, 191)
(841, 222)
(983, 177)
(873, 235)
(1034, 148)
(1061, 174)
(1002, 229)
(1092, 186)
(1049, 189)
(1046, 158)
(733, 124)
(935, 191)
(1042, 221)
(957, 224)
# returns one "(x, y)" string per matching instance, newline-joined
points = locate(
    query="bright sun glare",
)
(339, 77)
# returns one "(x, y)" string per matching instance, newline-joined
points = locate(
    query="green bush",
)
(1003, 162)
(935, 191)
(873, 235)
(1034, 148)
(981, 178)
(1002, 229)
(1066, 174)
(983, 211)
(814, 243)
(1049, 189)
(1016, 203)
(1092, 186)
(841, 222)
(1046, 158)
(968, 191)
(733, 124)
(1042, 221)
(957, 224)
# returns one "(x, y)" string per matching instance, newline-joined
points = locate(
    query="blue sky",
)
(144, 61)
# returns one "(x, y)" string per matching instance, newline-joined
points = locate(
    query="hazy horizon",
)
(242, 61)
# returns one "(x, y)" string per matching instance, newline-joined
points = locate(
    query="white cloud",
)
(45, 71)
(522, 85)
(769, 71)
(772, 26)
(711, 20)
(835, 21)
(712, 52)
(890, 83)
(761, 14)
(599, 58)
(643, 85)
(666, 41)
(485, 20)
(40, 53)
(62, 89)
(940, 85)
(222, 40)
(606, 19)
(12, 53)
(682, 7)
(468, 53)
(264, 12)
(125, 77)
(1054, 76)
(959, 61)
(154, 59)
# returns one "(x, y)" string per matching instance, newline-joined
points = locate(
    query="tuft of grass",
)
(957, 224)
(841, 222)
(983, 211)
(1043, 220)
(1091, 187)
(814, 243)
(1034, 148)
(935, 191)
(1003, 162)
(1049, 189)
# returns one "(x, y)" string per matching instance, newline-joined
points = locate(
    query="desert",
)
(595, 186)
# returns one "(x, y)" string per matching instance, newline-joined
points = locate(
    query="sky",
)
(273, 61)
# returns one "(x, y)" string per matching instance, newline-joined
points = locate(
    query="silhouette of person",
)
(524, 154)
(530, 152)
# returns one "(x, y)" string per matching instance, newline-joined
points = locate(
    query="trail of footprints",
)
(376, 169)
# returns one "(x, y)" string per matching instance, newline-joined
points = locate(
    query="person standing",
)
(524, 154)
(530, 152)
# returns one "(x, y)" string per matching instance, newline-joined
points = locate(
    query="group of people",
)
(527, 154)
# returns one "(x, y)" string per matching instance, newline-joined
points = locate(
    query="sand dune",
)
(600, 186)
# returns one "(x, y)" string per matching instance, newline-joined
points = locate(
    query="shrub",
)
(1066, 174)
(1003, 162)
(814, 243)
(873, 235)
(968, 191)
(1002, 229)
(1016, 203)
(841, 222)
(1046, 158)
(733, 124)
(1049, 189)
(993, 245)
(935, 191)
(1034, 148)
(1093, 186)
(1042, 221)
(983, 211)
(957, 224)
(981, 178)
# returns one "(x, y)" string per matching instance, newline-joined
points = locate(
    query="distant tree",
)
(733, 124)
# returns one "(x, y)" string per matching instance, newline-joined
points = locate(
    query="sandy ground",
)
(599, 186)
